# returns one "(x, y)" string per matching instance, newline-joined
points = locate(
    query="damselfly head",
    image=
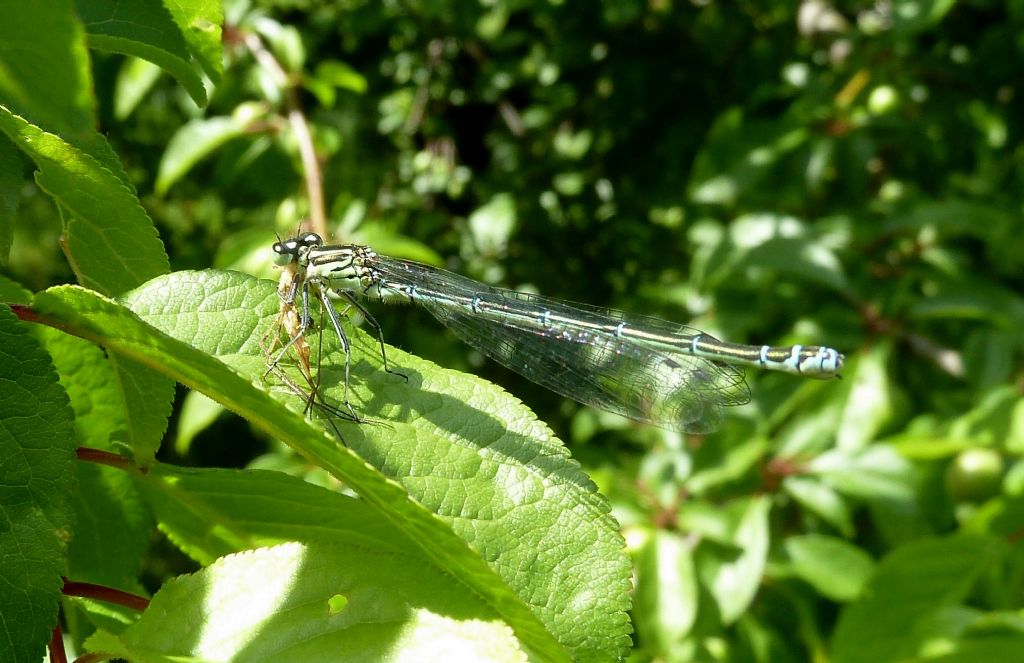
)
(288, 250)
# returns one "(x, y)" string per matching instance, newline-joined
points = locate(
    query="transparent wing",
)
(579, 356)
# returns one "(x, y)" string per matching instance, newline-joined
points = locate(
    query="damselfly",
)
(645, 368)
(295, 323)
(288, 319)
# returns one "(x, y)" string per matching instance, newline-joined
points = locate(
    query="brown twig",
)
(313, 175)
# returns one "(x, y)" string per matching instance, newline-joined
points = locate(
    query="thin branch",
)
(313, 175)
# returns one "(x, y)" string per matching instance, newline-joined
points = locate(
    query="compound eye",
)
(310, 239)
(284, 252)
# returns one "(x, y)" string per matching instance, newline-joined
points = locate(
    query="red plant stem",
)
(100, 457)
(109, 594)
(57, 653)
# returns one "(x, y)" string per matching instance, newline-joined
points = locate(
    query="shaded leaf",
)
(908, 590)
(970, 298)
(198, 412)
(330, 76)
(146, 30)
(37, 442)
(46, 76)
(135, 79)
(191, 143)
(10, 188)
(739, 154)
(12, 292)
(254, 508)
(768, 241)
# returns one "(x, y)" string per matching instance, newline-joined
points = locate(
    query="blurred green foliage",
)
(848, 174)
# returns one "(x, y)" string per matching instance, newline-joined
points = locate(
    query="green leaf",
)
(877, 472)
(197, 413)
(144, 29)
(192, 142)
(821, 500)
(462, 447)
(739, 154)
(869, 405)
(910, 18)
(492, 223)
(954, 217)
(726, 468)
(315, 602)
(37, 465)
(110, 239)
(987, 359)
(991, 648)
(97, 146)
(254, 508)
(666, 595)
(200, 23)
(45, 74)
(284, 41)
(113, 246)
(119, 405)
(488, 478)
(246, 251)
(341, 75)
(91, 384)
(911, 586)
(491, 24)
(148, 398)
(969, 298)
(777, 243)
(330, 76)
(995, 420)
(114, 529)
(90, 316)
(835, 568)
(733, 576)
(389, 243)
(12, 292)
(10, 195)
(135, 79)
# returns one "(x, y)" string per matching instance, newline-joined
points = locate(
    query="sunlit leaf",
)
(281, 603)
